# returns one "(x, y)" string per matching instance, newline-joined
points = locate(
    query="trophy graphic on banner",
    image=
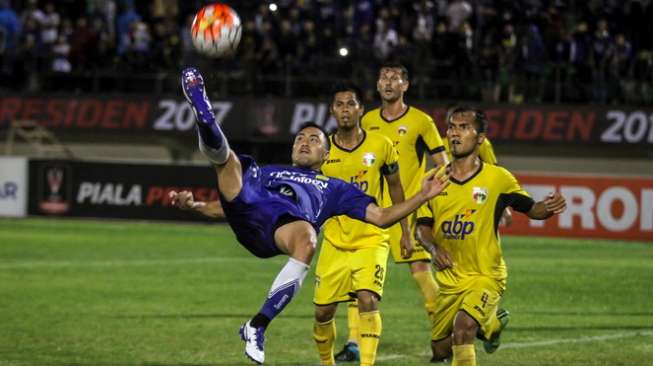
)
(54, 199)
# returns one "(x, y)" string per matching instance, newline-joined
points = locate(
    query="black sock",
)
(260, 320)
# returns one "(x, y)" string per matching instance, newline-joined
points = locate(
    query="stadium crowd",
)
(494, 50)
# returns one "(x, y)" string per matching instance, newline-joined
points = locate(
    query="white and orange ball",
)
(216, 30)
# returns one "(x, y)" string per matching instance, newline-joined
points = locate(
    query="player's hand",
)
(506, 217)
(184, 200)
(555, 203)
(435, 181)
(407, 247)
(441, 258)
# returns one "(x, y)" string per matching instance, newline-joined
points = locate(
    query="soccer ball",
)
(216, 30)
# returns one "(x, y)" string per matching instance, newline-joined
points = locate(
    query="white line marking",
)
(550, 342)
(600, 338)
(121, 263)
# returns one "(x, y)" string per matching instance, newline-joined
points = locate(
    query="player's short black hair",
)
(347, 87)
(395, 65)
(479, 116)
(308, 124)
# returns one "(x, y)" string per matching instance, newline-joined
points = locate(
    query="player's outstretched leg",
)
(297, 239)
(494, 342)
(212, 141)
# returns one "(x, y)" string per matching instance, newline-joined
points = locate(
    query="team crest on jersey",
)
(479, 194)
(369, 159)
(402, 130)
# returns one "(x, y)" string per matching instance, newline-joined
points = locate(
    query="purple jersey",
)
(275, 195)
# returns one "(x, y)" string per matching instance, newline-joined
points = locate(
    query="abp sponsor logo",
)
(459, 227)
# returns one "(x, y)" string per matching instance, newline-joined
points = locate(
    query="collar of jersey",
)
(459, 182)
(396, 119)
(333, 141)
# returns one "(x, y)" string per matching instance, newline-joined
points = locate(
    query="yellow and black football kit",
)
(464, 219)
(416, 138)
(354, 254)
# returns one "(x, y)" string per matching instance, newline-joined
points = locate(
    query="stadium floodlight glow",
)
(273, 7)
(343, 51)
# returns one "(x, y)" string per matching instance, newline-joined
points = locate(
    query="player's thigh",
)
(481, 301)
(368, 268)
(230, 177)
(446, 308)
(333, 281)
(419, 254)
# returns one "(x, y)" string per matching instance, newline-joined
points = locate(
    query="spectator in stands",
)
(9, 36)
(124, 25)
(532, 56)
(458, 12)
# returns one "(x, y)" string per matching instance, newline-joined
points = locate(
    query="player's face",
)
(462, 135)
(309, 149)
(347, 110)
(391, 85)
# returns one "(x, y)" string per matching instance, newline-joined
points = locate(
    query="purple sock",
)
(284, 288)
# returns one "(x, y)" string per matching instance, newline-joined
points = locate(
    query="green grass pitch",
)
(82, 292)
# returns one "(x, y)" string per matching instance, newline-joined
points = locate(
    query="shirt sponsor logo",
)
(479, 194)
(319, 183)
(459, 227)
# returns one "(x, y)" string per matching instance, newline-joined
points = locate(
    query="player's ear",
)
(481, 137)
(405, 85)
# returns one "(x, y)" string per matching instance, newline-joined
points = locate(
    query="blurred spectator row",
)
(492, 50)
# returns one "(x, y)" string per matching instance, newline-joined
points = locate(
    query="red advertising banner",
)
(597, 207)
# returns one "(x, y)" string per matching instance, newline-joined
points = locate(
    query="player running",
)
(279, 209)
(415, 137)
(459, 227)
(354, 255)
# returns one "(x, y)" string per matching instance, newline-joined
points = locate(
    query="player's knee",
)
(464, 329)
(367, 301)
(324, 313)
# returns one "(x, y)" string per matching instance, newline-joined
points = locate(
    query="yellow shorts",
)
(480, 301)
(340, 273)
(419, 254)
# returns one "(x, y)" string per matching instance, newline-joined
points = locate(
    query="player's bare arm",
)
(397, 195)
(553, 204)
(184, 200)
(433, 183)
(441, 257)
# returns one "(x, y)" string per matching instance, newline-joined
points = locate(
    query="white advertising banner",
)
(13, 186)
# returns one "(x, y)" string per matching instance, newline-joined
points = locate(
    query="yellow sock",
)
(324, 335)
(352, 322)
(430, 290)
(370, 333)
(464, 355)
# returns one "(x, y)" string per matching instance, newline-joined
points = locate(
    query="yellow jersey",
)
(414, 135)
(485, 152)
(464, 219)
(364, 166)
